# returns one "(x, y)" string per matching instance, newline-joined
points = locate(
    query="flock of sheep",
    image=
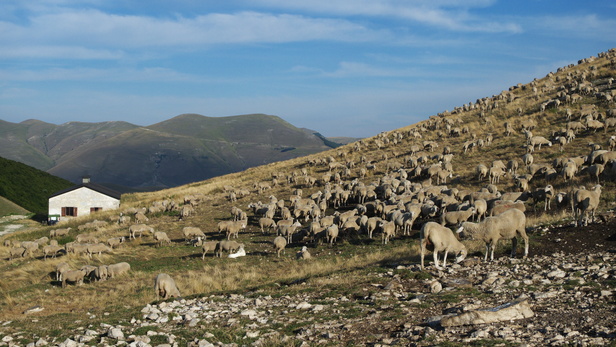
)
(402, 188)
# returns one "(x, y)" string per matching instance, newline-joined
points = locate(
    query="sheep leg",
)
(422, 246)
(485, 257)
(435, 254)
(514, 244)
(445, 260)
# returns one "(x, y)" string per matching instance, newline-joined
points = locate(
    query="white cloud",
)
(112, 32)
(583, 26)
(94, 74)
(447, 14)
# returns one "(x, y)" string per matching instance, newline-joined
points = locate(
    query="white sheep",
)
(207, 247)
(192, 233)
(584, 202)
(228, 246)
(303, 254)
(161, 237)
(332, 233)
(481, 207)
(279, 244)
(101, 273)
(117, 269)
(51, 250)
(115, 242)
(139, 229)
(75, 276)
(289, 230)
(60, 269)
(443, 240)
(539, 141)
(59, 232)
(507, 225)
(501, 206)
(456, 217)
(233, 228)
(97, 248)
(388, 230)
(16, 252)
(268, 223)
(165, 287)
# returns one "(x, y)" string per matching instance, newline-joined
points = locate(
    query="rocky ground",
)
(565, 291)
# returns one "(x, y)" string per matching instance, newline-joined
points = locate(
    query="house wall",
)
(82, 198)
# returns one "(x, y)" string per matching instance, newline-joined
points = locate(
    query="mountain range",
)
(183, 149)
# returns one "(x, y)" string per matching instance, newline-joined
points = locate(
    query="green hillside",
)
(28, 187)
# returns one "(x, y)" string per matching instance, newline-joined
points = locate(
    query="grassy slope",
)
(27, 186)
(8, 207)
(342, 266)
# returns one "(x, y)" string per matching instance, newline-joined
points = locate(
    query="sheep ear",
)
(459, 230)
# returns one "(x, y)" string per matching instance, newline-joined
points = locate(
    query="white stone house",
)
(81, 200)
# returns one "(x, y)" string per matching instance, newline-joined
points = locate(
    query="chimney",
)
(85, 179)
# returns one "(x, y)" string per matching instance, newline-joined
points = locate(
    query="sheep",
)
(115, 242)
(165, 287)
(268, 223)
(481, 207)
(279, 244)
(139, 229)
(371, 225)
(288, 230)
(207, 247)
(303, 254)
(59, 232)
(30, 247)
(17, 252)
(60, 269)
(332, 233)
(568, 171)
(544, 194)
(97, 248)
(51, 250)
(388, 230)
(232, 228)
(584, 202)
(512, 167)
(456, 217)
(482, 171)
(161, 237)
(101, 273)
(228, 246)
(596, 170)
(186, 211)
(443, 240)
(539, 141)
(86, 238)
(507, 225)
(192, 232)
(75, 276)
(140, 218)
(118, 269)
(501, 206)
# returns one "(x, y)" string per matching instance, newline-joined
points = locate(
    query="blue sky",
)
(341, 67)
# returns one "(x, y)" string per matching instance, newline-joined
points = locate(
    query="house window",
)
(95, 209)
(69, 211)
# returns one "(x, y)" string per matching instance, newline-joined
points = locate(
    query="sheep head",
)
(461, 255)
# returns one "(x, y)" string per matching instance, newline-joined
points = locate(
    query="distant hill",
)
(184, 149)
(27, 187)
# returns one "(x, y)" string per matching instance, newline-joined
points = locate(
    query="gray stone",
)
(506, 312)
(115, 333)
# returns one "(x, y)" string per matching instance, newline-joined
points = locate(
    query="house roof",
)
(93, 186)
